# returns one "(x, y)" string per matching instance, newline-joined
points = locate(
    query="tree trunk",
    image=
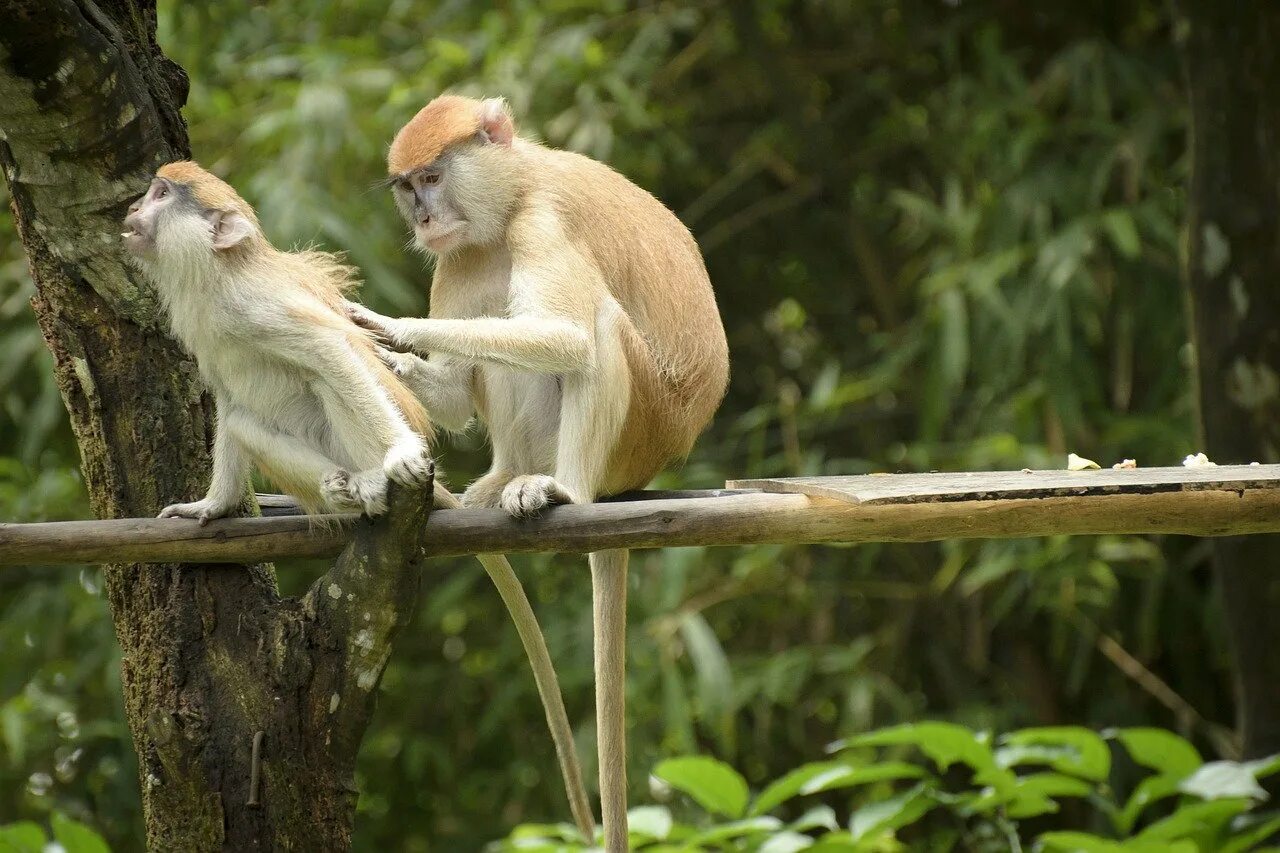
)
(89, 108)
(1231, 53)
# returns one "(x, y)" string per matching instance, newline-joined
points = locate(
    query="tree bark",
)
(1231, 53)
(89, 108)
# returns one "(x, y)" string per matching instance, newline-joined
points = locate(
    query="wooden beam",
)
(1229, 502)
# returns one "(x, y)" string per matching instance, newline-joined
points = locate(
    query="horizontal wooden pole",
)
(734, 519)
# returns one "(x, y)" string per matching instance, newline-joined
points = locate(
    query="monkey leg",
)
(306, 473)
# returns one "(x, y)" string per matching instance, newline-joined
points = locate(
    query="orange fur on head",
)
(210, 190)
(444, 121)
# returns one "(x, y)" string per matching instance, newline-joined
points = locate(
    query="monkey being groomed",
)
(300, 389)
(572, 311)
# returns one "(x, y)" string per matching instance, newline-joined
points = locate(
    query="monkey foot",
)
(529, 495)
(364, 492)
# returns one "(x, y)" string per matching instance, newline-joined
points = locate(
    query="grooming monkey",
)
(300, 389)
(573, 312)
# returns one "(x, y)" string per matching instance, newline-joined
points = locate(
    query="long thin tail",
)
(609, 600)
(544, 673)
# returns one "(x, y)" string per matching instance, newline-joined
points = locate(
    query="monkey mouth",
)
(441, 239)
(135, 242)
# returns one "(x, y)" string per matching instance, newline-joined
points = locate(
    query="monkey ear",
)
(229, 229)
(495, 121)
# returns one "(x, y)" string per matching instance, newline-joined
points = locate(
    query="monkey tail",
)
(609, 602)
(544, 674)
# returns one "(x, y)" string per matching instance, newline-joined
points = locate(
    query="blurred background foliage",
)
(944, 235)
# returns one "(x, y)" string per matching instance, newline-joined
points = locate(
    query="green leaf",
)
(76, 837)
(837, 842)
(893, 813)
(714, 785)
(22, 837)
(945, 744)
(1087, 755)
(1261, 768)
(1162, 751)
(786, 842)
(1123, 233)
(735, 829)
(1148, 791)
(818, 816)
(1220, 780)
(827, 775)
(651, 822)
(1248, 838)
(1083, 842)
(1035, 793)
(1196, 819)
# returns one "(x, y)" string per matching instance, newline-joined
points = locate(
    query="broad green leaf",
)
(893, 813)
(1162, 751)
(1035, 794)
(76, 837)
(1083, 842)
(1248, 838)
(818, 816)
(1195, 819)
(544, 831)
(837, 842)
(22, 837)
(1220, 780)
(945, 744)
(828, 775)
(1088, 756)
(714, 785)
(1148, 791)
(650, 821)
(735, 829)
(1123, 233)
(786, 842)
(1261, 768)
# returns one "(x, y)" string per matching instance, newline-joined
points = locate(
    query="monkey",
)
(299, 389)
(572, 311)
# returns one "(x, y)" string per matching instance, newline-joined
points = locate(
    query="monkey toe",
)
(527, 497)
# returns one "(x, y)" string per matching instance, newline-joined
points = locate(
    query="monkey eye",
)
(162, 191)
(431, 179)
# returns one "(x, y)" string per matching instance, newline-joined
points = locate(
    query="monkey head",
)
(188, 209)
(454, 172)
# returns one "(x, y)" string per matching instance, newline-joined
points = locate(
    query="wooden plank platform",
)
(877, 489)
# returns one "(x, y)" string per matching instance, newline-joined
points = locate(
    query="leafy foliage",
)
(943, 236)
(940, 786)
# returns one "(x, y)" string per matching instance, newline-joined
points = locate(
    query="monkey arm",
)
(540, 344)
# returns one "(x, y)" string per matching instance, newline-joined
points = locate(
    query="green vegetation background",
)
(944, 235)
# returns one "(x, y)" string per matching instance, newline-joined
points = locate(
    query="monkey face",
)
(425, 199)
(141, 223)
(171, 217)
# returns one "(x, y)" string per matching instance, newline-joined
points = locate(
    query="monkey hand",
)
(405, 365)
(371, 321)
(202, 510)
(409, 465)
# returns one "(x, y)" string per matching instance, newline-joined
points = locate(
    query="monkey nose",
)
(424, 218)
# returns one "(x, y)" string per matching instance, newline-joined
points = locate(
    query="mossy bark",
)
(89, 107)
(1231, 53)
